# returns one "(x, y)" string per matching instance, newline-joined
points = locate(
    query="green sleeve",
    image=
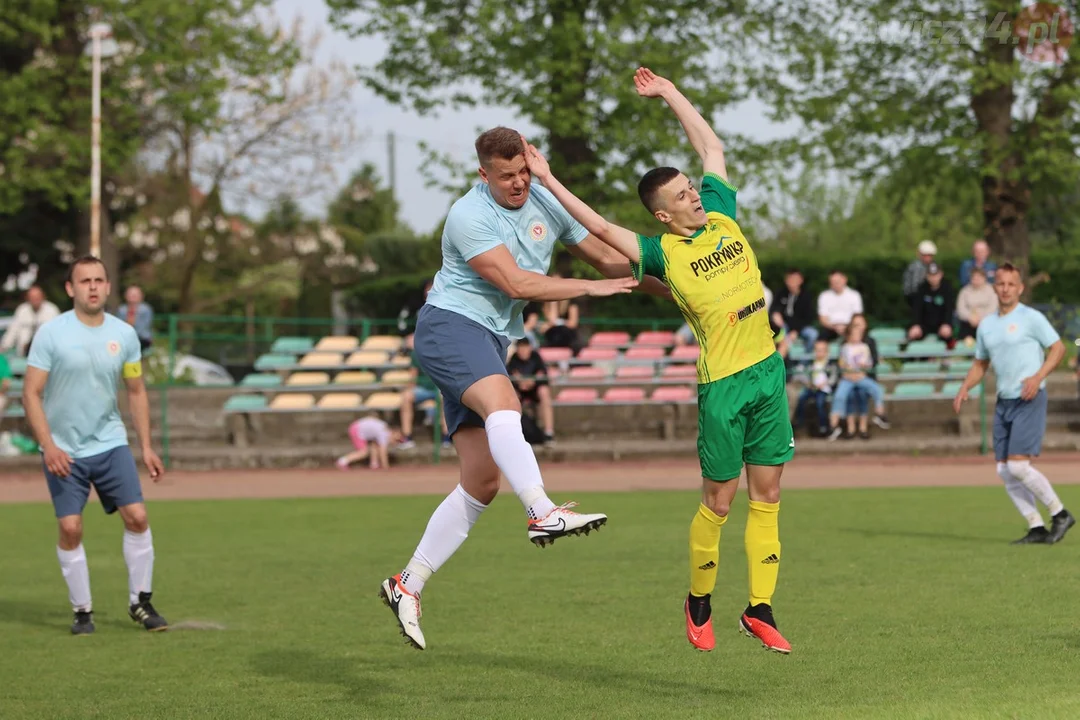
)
(652, 258)
(5, 369)
(718, 195)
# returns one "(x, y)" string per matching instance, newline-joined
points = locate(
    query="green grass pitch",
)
(899, 604)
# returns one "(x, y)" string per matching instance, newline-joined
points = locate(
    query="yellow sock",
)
(763, 550)
(704, 550)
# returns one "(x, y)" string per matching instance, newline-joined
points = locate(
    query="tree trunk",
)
(571, 156)
(1005, 226)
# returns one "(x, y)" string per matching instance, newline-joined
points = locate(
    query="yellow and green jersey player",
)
(743, 417)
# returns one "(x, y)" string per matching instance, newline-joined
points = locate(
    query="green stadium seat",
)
(14, 411)
(893, 335)
(292, 345)
(274, 361)
(960, 367)
(261, 380)
(920, 368)
(245, 403)
(15, 385)
(932, 346)
(887, 348)
(17, 365)
(953, 386)
(913, 390)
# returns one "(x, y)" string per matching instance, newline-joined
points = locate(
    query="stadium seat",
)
(644, 353)
(685, 353)
(920, 368)
(673, 393)
(17, 365)
(679, 371)
(609, 339)
(272, 361)
(15, 384)
(337, 343)
(555, 354)
(387, 343)
(635, 371)
(959, 367)
(655, 338)
(587, 372)
(293, 401)
(15, 411)
(624, 395)
(261, 380)
(319, 359)
(339, 401)
(355, 377)
(888, 334)
(292, 345)
(308, 379)
(405, 361)
(577, 395)
(367, 358)
(595, 354)
(914, 390)
(887, 349)
(953, 386)
(397, 377)
(245, 403)
(931, 346)
(383, 401)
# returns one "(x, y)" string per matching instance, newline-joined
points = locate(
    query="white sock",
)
(446, 531)
(1021, 497)
(77, 576)
(515, 457)
(1037, 483)
(139, 556)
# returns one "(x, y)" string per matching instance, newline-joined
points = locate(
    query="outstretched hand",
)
(649, 84)
(537, 163)
(614, 286)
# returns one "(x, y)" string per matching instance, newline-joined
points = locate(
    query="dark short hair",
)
(86, 260)
(792, 271)
(524, 342)
(1009, 267)
(499, 142)
(648, 188)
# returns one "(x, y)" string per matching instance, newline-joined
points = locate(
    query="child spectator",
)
(856, 361)
(976, 300)
(820, 378)
(364, 433)
(528, 372)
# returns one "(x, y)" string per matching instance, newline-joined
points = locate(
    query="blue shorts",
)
(1019, 426)
(455, 352)
(112, 473)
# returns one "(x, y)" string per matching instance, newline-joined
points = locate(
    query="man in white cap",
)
(915, 273)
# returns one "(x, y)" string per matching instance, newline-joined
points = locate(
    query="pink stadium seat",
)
(656, 338)
(555, 354)
(634, 371)
(644, 353)
(592, 354)
(688, 353)
(609, 339)
(624, 394)
(577, 395)
(679, 371)
(673, 393)
(587, 372)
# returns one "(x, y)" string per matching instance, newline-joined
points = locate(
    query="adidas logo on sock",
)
(707, 566)
(771, 560)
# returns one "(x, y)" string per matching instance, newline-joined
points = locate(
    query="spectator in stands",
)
(364, 433)
(856, 362)
(916, 272)
(138, 314)
(528, 373)
(976, 300)
(530, 318)
(859, 401)
(819, 381)
(28, 317)
(685, 336)
(411, 307)
(932, 313)
(980, 258)
(420, 391)
(837, 305)
(792, 310)
(560, 324)
(5, 382)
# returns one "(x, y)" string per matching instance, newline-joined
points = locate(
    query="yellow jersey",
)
(716, 282)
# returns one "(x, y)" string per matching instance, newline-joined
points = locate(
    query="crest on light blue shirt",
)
(538, 230)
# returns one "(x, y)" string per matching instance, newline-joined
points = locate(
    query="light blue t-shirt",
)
(476, 224)
(84, 365)
(1015, 345)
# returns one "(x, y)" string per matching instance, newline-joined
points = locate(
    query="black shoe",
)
(1036, 535)
(864, 435)
(1062, 522)
(143, 612)
(84, 623)
(882, 422)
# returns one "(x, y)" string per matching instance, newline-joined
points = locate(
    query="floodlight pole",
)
(96, 33)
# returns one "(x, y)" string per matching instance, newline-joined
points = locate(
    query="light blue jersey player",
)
(1023, 348)
(497, 246)
(75, 364)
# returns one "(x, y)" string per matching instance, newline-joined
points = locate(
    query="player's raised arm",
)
(498, 267)
(619, 238)
(698, 131)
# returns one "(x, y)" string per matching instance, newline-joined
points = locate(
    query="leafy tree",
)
(953, 84)
(564, 65)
